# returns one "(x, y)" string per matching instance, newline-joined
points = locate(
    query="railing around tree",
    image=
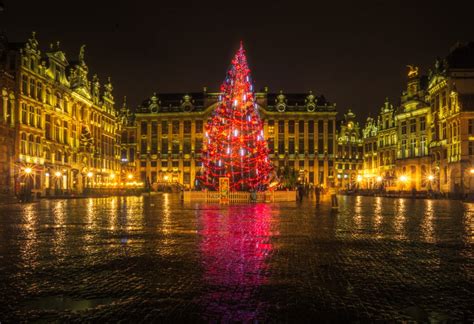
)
(239, 196)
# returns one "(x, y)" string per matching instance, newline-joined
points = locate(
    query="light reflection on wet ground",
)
(155, 258)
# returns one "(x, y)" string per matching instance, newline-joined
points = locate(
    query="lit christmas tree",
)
(234, 144)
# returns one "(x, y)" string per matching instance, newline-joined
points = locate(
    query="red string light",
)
(234, 143)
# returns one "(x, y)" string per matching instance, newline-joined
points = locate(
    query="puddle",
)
(61, 303)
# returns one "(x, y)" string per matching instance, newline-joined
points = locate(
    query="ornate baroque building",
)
(349, 156)
(66, 130)
(427, 143)
(163, 139)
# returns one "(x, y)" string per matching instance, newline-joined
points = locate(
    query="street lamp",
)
(28, 171)
(129, 176)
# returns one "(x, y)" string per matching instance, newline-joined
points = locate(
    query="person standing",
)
(317, 191)
(300, 190)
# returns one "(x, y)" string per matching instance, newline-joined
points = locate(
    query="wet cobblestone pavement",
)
(155, 259)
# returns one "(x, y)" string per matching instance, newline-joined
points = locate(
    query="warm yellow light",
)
(379, 179)
(472, 171)
(430, 177)
(130, 176)
(112, 176)
(359, 178)
(28, 170)
(403, 178)
(166, 178)
(57, 174)
(90, 174)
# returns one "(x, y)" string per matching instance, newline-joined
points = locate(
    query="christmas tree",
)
(234, 144)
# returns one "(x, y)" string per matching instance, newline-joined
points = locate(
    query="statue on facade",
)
(412, 71)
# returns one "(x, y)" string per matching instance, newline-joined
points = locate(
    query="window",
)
(471, 147)
(412, 147)
(471, 127)
(175, 127)
(291, 145)
(32, 89)
(187, 146)
(271, 128)
(164, 146)
(423, 150)
(403, 127)
(154, 145)
(32, 116)
(422, 123)
(38, 118)
(301, 145)
(413, 125)
(65, 135)
(187, 127)
(330, 126)
(281, 147)
(39, 91)
(281, 127)
(154, 129)
(320, 127)
(47, 127)
(23, 144)
(403, 148)
(24, 85)
(175, 147)
(311, 127)
(199, 126)
(164, 127)
(311, 146)
(301, 127)
(291, 127)
(198, 145)
(143, 147)
(144, 128)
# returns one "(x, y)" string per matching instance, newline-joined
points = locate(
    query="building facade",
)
(66, 129)
(349, 156)
(164, 137)
(427, 143)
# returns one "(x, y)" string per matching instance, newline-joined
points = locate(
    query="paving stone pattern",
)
(152, 259)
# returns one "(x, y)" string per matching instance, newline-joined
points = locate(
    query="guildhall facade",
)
(427, 142)
(164, 137)
(63, 132)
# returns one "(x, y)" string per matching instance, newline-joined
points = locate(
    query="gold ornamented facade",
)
(163, 140)
(60, 132)
(63, 126)
(427, 143)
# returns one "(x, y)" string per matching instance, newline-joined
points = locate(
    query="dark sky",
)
(353, 52)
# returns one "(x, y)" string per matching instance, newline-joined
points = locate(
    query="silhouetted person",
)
(300, 192)
(317, 191)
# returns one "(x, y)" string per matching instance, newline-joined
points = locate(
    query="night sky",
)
(354, 53)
